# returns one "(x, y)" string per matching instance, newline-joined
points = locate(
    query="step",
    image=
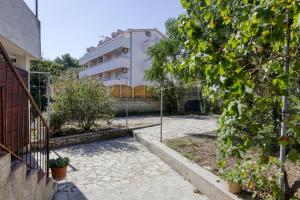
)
(5, 164)
(18, 179)
(48, 189)
(31, 182)
(6, 192)
(41, 185)
(5, 169)
(54, 190)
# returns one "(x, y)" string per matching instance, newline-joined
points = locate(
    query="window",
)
(124, 70)
(125, 50)
(148, 33)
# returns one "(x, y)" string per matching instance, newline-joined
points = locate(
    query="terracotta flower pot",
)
(59, 173)
(234, 188)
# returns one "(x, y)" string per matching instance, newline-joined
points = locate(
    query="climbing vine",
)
(241, 47)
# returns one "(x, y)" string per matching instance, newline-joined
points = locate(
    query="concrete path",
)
(120, 169)
(174, 126)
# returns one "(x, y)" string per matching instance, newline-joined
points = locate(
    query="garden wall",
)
(88, 137)
(138, 105)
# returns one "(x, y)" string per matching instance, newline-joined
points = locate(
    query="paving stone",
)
(174, 126)
(128, 171)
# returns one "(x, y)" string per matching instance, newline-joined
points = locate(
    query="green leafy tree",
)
(38, 82)
(54, 68)
(67, 61)
(169, 51)
(162, 54)
(249, 53)
(82, 100)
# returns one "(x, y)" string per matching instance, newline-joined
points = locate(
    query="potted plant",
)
(59, 167)
(234, 181)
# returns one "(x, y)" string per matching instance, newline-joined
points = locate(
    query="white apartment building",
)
(121, 60)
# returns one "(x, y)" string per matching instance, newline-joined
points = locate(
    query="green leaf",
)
(212, 23)
(208, 2)
(293, 155)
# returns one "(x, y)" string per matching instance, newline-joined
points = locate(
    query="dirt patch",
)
(202, 149)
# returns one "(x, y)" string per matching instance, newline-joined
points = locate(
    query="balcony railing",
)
(114, 81)
(119, 62)
(113, 44)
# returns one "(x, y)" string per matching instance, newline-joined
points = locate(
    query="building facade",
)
(120, 61)
(19, 32)
(20, 39)
(24, 133)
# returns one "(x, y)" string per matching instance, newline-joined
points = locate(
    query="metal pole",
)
(161, 112)
(36, 8)
(48, 99)
(126, 105)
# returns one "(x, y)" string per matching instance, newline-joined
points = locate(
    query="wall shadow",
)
(68, 190)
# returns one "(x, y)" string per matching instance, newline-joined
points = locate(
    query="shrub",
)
(234, 175)
(82, 100)
(56, 121)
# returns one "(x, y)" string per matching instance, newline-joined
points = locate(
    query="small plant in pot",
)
(234, 180)
(59, 167)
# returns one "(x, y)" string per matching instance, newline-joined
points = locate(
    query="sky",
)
(70, 26)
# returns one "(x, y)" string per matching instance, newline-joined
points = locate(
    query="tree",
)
(245, 49)
(81, 100)
(38, 82)
(162, 54)
(67, 61)
(55, 68)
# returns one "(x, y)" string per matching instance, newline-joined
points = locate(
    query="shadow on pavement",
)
(89, 149)
(200, 117)
(68, 191)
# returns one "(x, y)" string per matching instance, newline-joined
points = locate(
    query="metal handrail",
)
(35, 107)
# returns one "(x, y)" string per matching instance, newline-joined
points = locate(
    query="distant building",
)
(121, 60)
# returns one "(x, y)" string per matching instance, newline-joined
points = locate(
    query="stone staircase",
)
(19, 183)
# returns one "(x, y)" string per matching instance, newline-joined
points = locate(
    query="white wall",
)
(122, 41)
(140, 59)
(20, 27)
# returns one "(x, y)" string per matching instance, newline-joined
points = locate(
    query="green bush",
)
(234, 175)
(56, 121)
(82, 100)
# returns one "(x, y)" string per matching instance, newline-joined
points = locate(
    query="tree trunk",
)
(284, 180)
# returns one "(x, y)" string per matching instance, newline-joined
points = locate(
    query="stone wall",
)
(139, 105)
(88, 137)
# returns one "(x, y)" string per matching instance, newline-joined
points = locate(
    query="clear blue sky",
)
(70, 26)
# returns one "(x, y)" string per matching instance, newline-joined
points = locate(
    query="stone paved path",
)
(173, 126)
(120, 169)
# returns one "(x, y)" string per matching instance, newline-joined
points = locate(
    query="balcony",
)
(119, 62)
(20, 29)
(115, 43)
(114, 81)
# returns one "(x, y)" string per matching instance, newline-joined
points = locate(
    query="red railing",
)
(24, 133)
